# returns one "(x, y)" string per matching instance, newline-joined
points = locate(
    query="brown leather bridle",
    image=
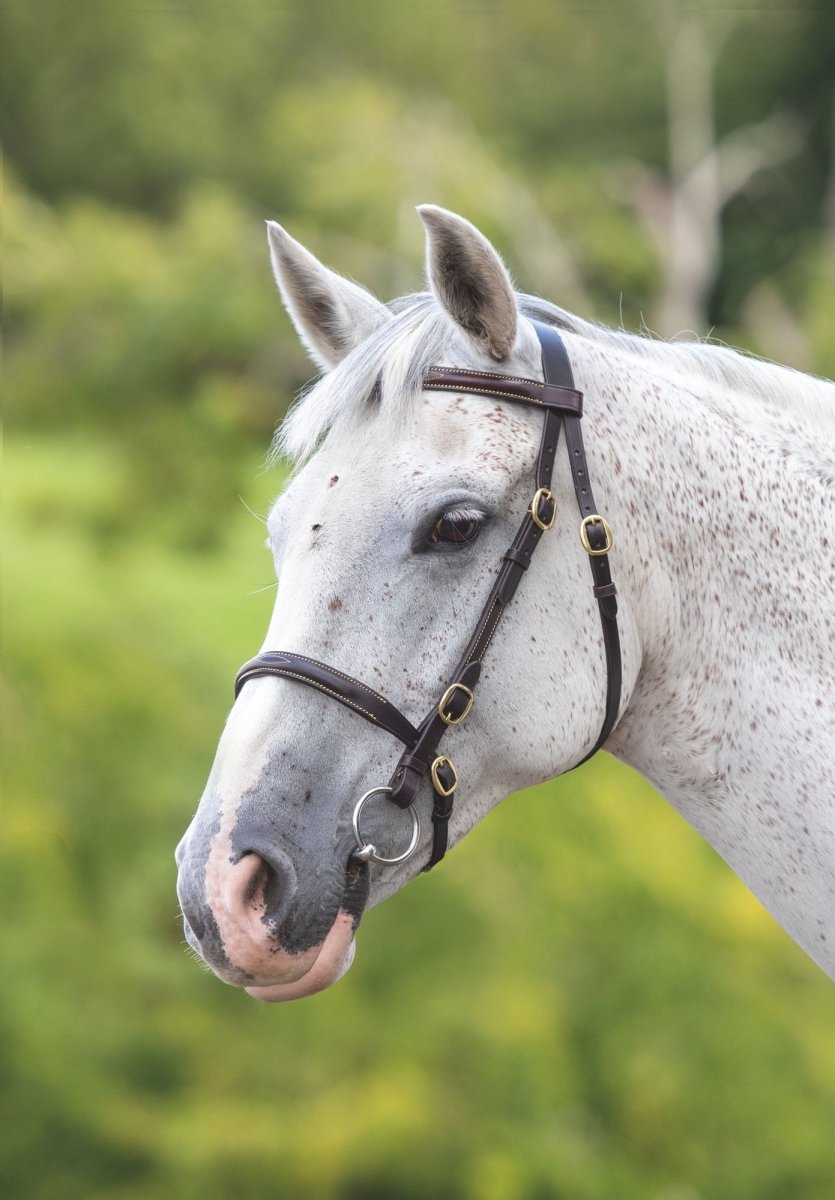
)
(562, 406)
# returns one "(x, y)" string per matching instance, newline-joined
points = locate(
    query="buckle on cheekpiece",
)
(445, 764)
(449, 718)
(542, 496)
(592, 522)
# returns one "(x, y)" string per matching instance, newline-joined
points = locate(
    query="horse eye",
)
(456, 529)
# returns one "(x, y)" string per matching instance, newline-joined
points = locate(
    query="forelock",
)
(387, 370)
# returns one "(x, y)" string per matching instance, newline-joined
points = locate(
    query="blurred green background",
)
(582, 1003)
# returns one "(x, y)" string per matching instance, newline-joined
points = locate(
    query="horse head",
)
(386, 542)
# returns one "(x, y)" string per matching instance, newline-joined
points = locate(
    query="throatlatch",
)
(562, 405)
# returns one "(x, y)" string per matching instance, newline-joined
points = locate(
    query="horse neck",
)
(731, 712)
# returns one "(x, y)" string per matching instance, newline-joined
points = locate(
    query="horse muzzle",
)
(247, 917)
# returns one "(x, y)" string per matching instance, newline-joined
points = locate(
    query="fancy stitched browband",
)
(562, 405)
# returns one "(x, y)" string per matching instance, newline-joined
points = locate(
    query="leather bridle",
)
(562, 406)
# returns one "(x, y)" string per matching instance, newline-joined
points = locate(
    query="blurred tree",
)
(682, 209)
(588, 1028)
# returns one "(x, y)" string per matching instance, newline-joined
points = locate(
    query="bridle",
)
(562, 406)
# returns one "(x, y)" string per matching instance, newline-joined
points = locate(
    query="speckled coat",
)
(717, 475)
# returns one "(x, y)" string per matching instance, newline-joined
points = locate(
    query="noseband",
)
(562, 406)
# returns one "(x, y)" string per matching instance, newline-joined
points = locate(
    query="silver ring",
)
(367, 851)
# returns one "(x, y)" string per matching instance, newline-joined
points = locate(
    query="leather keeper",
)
(607, 599)
(405, 782)
(517, 556)
(442, 809)
(413, 764)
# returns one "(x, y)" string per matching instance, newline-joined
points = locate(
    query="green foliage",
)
(583, 1003)
(160, 341)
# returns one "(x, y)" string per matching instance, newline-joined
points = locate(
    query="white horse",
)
(717, 475)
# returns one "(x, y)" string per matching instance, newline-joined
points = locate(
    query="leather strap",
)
(603, 589)
(562, 405)
(562, 397)
(559, 382)
(359, 697)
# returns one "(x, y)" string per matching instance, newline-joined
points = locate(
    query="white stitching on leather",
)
(347, 678)
(285, 674)
(462, 387)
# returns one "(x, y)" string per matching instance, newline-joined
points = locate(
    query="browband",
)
(562, 405)
(507, 387)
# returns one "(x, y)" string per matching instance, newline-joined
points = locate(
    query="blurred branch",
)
(753, 148)
(682, 210)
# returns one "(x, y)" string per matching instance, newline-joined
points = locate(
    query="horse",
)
(715, 472)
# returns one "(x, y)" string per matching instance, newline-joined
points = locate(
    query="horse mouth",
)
(335, 953)
(335, 956)
(303, 954)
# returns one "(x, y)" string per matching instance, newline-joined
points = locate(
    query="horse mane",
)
(712, 362)
(388, 367)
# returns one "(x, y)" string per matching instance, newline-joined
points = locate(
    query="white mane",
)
(388, 368)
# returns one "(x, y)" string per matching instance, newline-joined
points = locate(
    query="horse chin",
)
(336, 953)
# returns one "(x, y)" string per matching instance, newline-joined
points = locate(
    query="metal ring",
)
(367, 851)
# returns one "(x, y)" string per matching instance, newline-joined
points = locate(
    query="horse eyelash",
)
(468, 514)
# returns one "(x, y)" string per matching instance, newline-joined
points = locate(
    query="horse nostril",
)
(259, 878)
(233, 907)
(269, 883)
(266, 886)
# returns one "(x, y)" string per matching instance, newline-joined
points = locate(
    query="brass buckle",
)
(539, 495)
(595, 519)
(447, 696)
(441, 761)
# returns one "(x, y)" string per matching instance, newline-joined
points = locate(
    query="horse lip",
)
(337, 949)
(332, 962)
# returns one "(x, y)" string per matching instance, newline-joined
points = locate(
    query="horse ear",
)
(469, 279)
(331, 314)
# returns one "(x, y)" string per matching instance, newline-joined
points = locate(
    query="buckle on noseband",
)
(367, 851)
(443, 789)
(445, 700)
(590, 522)
(543, 495)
